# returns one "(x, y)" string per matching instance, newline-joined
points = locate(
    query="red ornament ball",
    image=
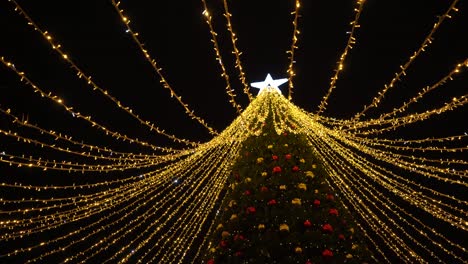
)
(251, 210)
(264, 189)
(272, 202)
(247, 192)
(276, 169)
(333, 211)
(288, 156)
(327, 228)
(341, 237)
(274, 157)
(307, 223)
(316, 202)
(210, 261)
(223, 243)
(327, 253)
(295, 169)
(330, 197)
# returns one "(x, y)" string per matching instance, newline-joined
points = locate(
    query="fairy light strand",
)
(235, 50)
(340, 64)
(427, 41)
(219, 59)
(158, 70)
(58, 48)
(293, 48)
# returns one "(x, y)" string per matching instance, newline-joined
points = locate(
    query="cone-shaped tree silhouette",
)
(279, 209)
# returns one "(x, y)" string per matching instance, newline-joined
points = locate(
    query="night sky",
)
(177, 36)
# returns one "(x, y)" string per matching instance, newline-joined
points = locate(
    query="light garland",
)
(427, 41)
(293, 48)
(58, 48)
(340, 64)
(157, 208)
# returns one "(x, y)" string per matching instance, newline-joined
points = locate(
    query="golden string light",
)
(158, 70)
(291, 58)
(219, 59)
(427, 41)
(235, 50)
(340, 64)
(160, 205)
(71, 110)
(58, 48)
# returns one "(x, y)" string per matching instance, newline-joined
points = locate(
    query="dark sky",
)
(177, 36)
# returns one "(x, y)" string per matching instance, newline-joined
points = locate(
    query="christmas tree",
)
(279, 208)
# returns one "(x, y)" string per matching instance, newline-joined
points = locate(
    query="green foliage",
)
(278, 209)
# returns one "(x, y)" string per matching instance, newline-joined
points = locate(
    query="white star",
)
(269, 82)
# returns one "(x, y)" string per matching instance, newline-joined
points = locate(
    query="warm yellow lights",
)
(164, 198)
(349, 45)
(293, 48)
(427, 41)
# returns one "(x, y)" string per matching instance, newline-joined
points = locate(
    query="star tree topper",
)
(269, 83)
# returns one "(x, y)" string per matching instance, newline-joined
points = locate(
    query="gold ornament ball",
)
(296, 201)
(302, 186)
(284, 227)
(298, 250)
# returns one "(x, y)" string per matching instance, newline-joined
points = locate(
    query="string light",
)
(161, 204)
(235, 50)
(291, 51)
(349, 45)
(427, 41)
(158, 70)
(57, 48)
(219, 58)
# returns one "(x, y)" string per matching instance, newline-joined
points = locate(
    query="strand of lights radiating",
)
(158, 70)
(291, 51)
(72, 111)
(405, 145)
(139, 203)
(430, 205)
(427, 41)
(235, 50)
(206, 188)
(350, 156)
(168, 172)
(66, 57)
(332, 170)
(67, 150)
(394, 123)
(340, 64)
(69, 166)
(153, 187)
(458, 68)
(219, 59)
(201, 213)
(90, 148)
(331, 154)
(380, 228)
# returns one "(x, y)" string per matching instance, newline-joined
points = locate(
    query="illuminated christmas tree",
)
(279, 207)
